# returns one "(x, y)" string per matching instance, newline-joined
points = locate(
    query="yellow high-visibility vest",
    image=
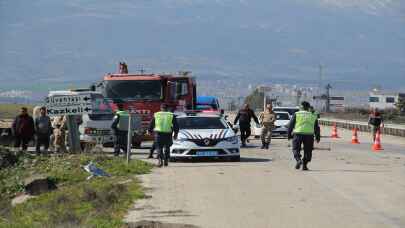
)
(304, 123)
(163, 122)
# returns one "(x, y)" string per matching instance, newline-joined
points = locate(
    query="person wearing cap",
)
(164, 124)
(43, 130)
(302, 129)
(119, 127)
(267, 119)
(23, 129)
(244, 117)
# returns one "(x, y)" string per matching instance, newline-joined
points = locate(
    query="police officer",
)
(244, 117)
(120, 129)
(267, 119)
(163, 125)
(302, 128)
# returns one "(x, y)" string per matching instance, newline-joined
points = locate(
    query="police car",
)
(204, 135)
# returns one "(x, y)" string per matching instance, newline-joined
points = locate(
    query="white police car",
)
(205, 135)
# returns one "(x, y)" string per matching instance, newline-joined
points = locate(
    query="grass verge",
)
(10, 111)
(98, 202)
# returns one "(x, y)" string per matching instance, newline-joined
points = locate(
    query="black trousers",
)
(244, 133)
(42, 140)
(163, 142)
(21, 141)
(120, 142)
(308, 141)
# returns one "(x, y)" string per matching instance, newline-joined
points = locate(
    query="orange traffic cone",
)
(377, 142)
(334, 131)
(355, 139)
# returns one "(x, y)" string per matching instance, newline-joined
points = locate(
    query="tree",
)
(255, 99)
(401, 104)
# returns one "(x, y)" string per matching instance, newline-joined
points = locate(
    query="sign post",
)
(73, 135)
(129, 145)
(70, 105)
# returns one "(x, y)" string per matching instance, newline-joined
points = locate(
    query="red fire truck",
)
(144, 93)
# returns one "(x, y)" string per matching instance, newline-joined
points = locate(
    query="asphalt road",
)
(347, 186)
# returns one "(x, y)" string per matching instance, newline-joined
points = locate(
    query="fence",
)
(389, 129)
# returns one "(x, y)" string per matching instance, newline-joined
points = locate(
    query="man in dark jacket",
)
(23, 129)
(302, 128)
(244, 117)
(43, 130)
(164, 124)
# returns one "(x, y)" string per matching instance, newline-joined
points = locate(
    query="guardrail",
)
(396, 130)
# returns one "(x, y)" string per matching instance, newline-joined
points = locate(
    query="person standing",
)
(43, 130)
(23, 129)
(267, 119)
(59, 134)
(120, 129)
(164, 124)
(302, 129)
(375, 122)
(244, 117)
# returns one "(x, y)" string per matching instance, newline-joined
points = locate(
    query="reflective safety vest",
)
(163, 122)
(304, 123)
(124, 120)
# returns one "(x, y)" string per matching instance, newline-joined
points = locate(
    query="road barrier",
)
(396, 130)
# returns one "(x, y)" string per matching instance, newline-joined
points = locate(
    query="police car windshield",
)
(201, 123)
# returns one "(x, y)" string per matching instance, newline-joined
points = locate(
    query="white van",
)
(96, 128)
(93, 128)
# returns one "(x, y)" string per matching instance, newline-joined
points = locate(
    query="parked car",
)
(281, 126)
(205, 135)
(290, 110)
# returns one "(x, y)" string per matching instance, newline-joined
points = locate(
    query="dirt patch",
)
(154, 224)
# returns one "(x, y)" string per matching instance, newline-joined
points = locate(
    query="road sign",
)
(337, 98)
(69, 110)
(68, 100)
(68, 105)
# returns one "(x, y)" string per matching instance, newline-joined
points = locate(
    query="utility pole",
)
(298, 96)
(320, 77)
(73, 134)
(142, 70)
(327, 101)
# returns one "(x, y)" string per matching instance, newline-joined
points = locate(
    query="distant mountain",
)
(48, 44)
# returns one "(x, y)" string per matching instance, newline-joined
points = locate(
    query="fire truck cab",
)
(144, 93)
